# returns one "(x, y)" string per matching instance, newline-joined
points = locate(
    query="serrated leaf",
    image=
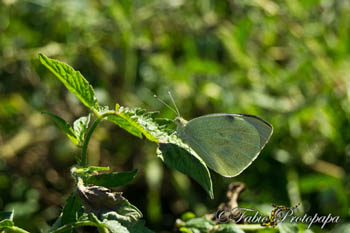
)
(81, 126)
(138, 122)
(73, 80)
(177, 155)
(122, 123)
(115, 227)
(111, 180)
(71, 210)
(125, 213)
(173, 152)
(64, 127)
(139, 227)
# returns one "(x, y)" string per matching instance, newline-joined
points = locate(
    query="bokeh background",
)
(285, 61)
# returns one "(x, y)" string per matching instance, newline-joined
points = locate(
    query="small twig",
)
(232, 195)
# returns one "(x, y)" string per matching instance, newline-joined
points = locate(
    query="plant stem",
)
(76, 224)
(84, 159)
(250, 227)
(15, 229)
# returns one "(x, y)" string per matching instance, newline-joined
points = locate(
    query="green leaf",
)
(201, 225)
(107, 205)
(229, 228)
(70, 227)
(6, 215)
(187, 216)
(185, 230)
(185, 160)
(64, 127)
(125, 213)
(71, 210)
(102, 228)
(340, 228)
(138, 122)
(56, 225)
(73, 80)
(173, 152)
(115, 227)
(110, 180)
(122, 123)
(288, 228)
(139, 227)
(81, 126)
(6, 223)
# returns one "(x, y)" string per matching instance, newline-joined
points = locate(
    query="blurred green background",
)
(285, 61)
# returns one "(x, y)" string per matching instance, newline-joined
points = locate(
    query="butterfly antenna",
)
(167, 105)
(172, 99)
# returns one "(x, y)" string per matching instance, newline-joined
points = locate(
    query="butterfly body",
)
(228, 143)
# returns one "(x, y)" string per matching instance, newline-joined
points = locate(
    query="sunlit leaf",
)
(64, 127)
(115, 227)
(172, 151)
(6, 223)
(138, 122)
(81, 126)
(200, 225)
(122, 123)
(139, 226)
(111, 180)
(73, 80)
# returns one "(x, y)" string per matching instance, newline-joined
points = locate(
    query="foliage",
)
(7, 224)
(286, 61)
(116, 213)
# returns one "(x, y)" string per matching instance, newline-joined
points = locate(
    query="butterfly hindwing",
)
(227, 143)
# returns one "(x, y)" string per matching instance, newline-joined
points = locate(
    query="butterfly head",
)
(180, 122)
(180, 127)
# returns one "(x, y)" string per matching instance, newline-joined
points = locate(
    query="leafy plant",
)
(121, 216)
(92, 203)
(7, 224)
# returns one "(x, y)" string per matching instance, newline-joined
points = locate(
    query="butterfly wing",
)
(228, 143)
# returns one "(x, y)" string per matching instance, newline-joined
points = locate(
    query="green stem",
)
(84, 149)
(76, 224)
(15, 229)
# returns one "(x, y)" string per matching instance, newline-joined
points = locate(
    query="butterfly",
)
(227, 143)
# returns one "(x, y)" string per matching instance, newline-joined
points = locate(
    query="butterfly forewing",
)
(263, 127)
(227, 143)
